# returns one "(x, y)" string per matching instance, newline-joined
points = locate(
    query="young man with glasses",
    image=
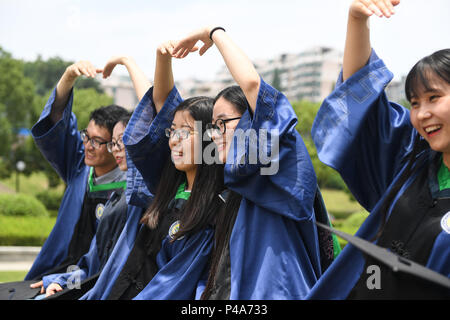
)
(82, 160)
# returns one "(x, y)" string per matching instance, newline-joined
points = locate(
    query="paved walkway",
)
(5, 189)
(17, 258)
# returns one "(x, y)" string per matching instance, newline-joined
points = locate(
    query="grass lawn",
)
(32, 231)
(348, 214)
(10, 276)
(33, 184)
(339, 204)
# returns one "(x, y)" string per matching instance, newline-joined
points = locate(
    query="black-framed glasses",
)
(95, 143)
(119, 144)
(180, 134)
(219, 126)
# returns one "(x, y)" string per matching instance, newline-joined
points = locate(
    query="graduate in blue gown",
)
(395, 161)
(266, 244)
(83, 162)
(115, 215)
(167, 254)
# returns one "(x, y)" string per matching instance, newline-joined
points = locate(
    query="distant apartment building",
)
(396, 90)
(195, 87)
(309, 75)
(121, 89)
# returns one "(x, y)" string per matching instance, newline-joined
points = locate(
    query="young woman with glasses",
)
(170, 253)
(266, 244)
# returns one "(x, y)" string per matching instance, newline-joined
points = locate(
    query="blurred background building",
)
(310, 75)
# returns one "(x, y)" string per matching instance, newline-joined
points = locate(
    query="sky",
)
(96, 30)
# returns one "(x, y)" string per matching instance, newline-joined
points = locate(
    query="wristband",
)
(214, 30)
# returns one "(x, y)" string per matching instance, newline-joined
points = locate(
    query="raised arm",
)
(239, 65)
(66, 83)
(140, 82)
(357, 45)
(163, 81)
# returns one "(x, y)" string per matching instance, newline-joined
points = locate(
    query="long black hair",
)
(226, 217)
(203, 203)
(417, 81)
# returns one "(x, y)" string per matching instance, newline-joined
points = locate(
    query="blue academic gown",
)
(138, 198)
(274, 251)
(61, 145)
(92, 263)
(366, 138)
(182, 263)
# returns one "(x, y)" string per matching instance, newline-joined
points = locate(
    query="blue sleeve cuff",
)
(59, 278)
(44, 127)
(350, 98)
(145, 140)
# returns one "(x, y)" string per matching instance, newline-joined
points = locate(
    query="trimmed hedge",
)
(19, 205)
(25, 231)
(51, 200)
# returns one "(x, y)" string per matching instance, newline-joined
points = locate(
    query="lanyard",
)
(106, 186)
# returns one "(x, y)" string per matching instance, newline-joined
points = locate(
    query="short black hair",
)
(108, 116)
(418, 78)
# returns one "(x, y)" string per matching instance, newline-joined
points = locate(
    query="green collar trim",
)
(443, 177)
(106, 186)
(181, 194)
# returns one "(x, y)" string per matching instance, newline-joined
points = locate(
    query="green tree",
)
(85, 101)
(16, 92)
(6, 135)
(46, 74)
(17, 110)
(24, 90)
(306, 112)
(276, 81)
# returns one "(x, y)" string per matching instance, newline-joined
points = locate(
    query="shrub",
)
(50, 199)
(21, 205)
(25, 231)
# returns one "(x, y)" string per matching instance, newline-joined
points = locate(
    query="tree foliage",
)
(16, 92)
(85, 101)
(306, 112)
(46, 74)
(24, 90)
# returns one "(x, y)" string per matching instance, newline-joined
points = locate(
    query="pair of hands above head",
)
(181, 48)
(363, 9)
(177, 49)
(86, 68)
(360, 9)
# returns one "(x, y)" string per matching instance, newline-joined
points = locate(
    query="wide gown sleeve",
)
(362, 135)
(144, 138)
(268, 162)
(60, 143)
